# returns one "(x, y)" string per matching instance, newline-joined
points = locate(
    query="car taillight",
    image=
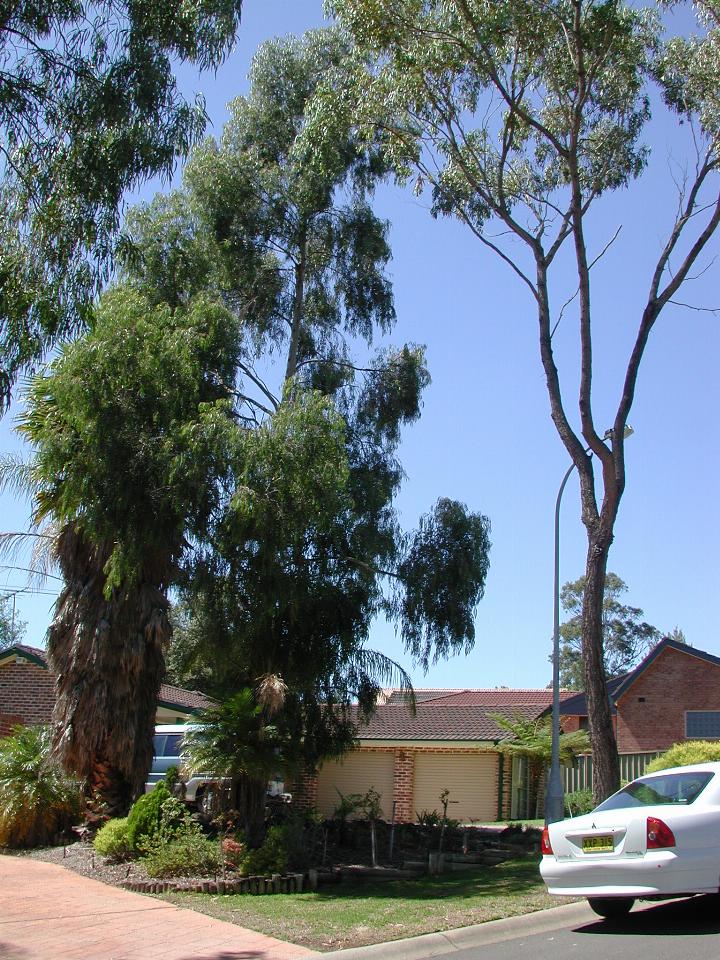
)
(659, 834)
(545, 845)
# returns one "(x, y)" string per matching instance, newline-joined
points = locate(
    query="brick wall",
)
(27, 691)
(651, 713)
(404, 785)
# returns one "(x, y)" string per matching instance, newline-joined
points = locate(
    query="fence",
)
(579, 776)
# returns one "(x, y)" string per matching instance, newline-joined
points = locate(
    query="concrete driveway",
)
(49, 913)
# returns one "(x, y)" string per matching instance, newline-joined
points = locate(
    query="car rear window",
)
(671, 788)
(166, 744)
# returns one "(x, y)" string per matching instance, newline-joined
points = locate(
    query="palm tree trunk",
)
(107, 654)
(251, 807)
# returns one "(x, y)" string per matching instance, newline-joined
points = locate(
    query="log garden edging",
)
(277, 883)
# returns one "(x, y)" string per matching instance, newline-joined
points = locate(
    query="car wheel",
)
(611, 907)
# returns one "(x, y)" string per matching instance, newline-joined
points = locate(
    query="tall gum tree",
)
(306, 549)
(523, 115)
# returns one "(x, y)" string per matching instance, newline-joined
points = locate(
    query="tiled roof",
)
(497, 697)
(169, 696)
(438, 721)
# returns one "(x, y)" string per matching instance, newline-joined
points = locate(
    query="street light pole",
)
(554, 793)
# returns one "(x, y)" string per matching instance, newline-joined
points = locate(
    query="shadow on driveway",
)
(696, 916)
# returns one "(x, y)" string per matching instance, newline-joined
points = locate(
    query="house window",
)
(702, 724)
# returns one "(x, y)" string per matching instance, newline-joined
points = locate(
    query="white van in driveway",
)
(206, 791)
(202, 790)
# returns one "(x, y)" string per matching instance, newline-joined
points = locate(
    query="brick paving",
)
(50, 913)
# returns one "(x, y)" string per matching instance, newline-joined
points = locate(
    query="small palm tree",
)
(37, 800)
(531, 738)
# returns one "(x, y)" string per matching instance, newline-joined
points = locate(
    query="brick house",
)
(449, 743)
(672, 695)
(27, 692)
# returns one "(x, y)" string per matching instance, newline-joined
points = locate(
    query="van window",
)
(167, 744)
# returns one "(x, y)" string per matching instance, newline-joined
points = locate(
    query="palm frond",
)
(379, 669)
(43, 559)
(16, 475)
(271, 692)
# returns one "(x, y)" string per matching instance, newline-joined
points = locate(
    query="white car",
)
(658, 837)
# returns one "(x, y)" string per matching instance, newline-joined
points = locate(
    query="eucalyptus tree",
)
(306, 550)
(519, 117)
(626, 636)
(129, 429)
(89, 107)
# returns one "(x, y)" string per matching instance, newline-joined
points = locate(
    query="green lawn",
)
(356, 913)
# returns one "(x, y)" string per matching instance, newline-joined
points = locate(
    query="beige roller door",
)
(356, 773)
(470, 778)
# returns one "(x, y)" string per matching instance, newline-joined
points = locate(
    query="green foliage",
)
(12, 628)
(178, 847)
(113, 840)
(443, 574)
(685, 754)
(121, 449)
(89, 108)
(626, 637)
(171, 778)
(578, 802)
(271, 857)
(428, 818)
(233, 740)
(37, 800)
(348, 804)
(532, 738)
(143, 821)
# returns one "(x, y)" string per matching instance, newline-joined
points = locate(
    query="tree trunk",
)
(606, 767)
(108, 658)
(251, 807)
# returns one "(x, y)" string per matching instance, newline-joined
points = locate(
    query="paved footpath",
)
(50, 913)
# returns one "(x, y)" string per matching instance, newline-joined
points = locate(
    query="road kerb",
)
(480, 934)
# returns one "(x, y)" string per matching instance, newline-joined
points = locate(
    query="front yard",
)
(356, 913)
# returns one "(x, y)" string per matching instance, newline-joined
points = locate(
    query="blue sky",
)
(485, 436)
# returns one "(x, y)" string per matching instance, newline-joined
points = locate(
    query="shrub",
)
(144, 817)
(234, 852)
(684, 754)
(270, 858)
(112, 839)
(188, 855)
(578, 802)
(179, 848)
(37, 800)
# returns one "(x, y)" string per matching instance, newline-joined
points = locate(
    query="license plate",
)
(598, 844)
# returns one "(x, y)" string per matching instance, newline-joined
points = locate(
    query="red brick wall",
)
(673, 683)
(404, 785)
(8, 722)
(27, 691)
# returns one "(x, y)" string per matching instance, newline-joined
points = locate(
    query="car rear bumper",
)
(659, 873)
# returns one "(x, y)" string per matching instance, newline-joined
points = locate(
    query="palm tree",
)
(128, 429)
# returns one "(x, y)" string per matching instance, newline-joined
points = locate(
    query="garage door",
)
(356, 773)
(470, 778)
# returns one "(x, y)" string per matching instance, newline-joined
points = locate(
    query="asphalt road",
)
(676, 930)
